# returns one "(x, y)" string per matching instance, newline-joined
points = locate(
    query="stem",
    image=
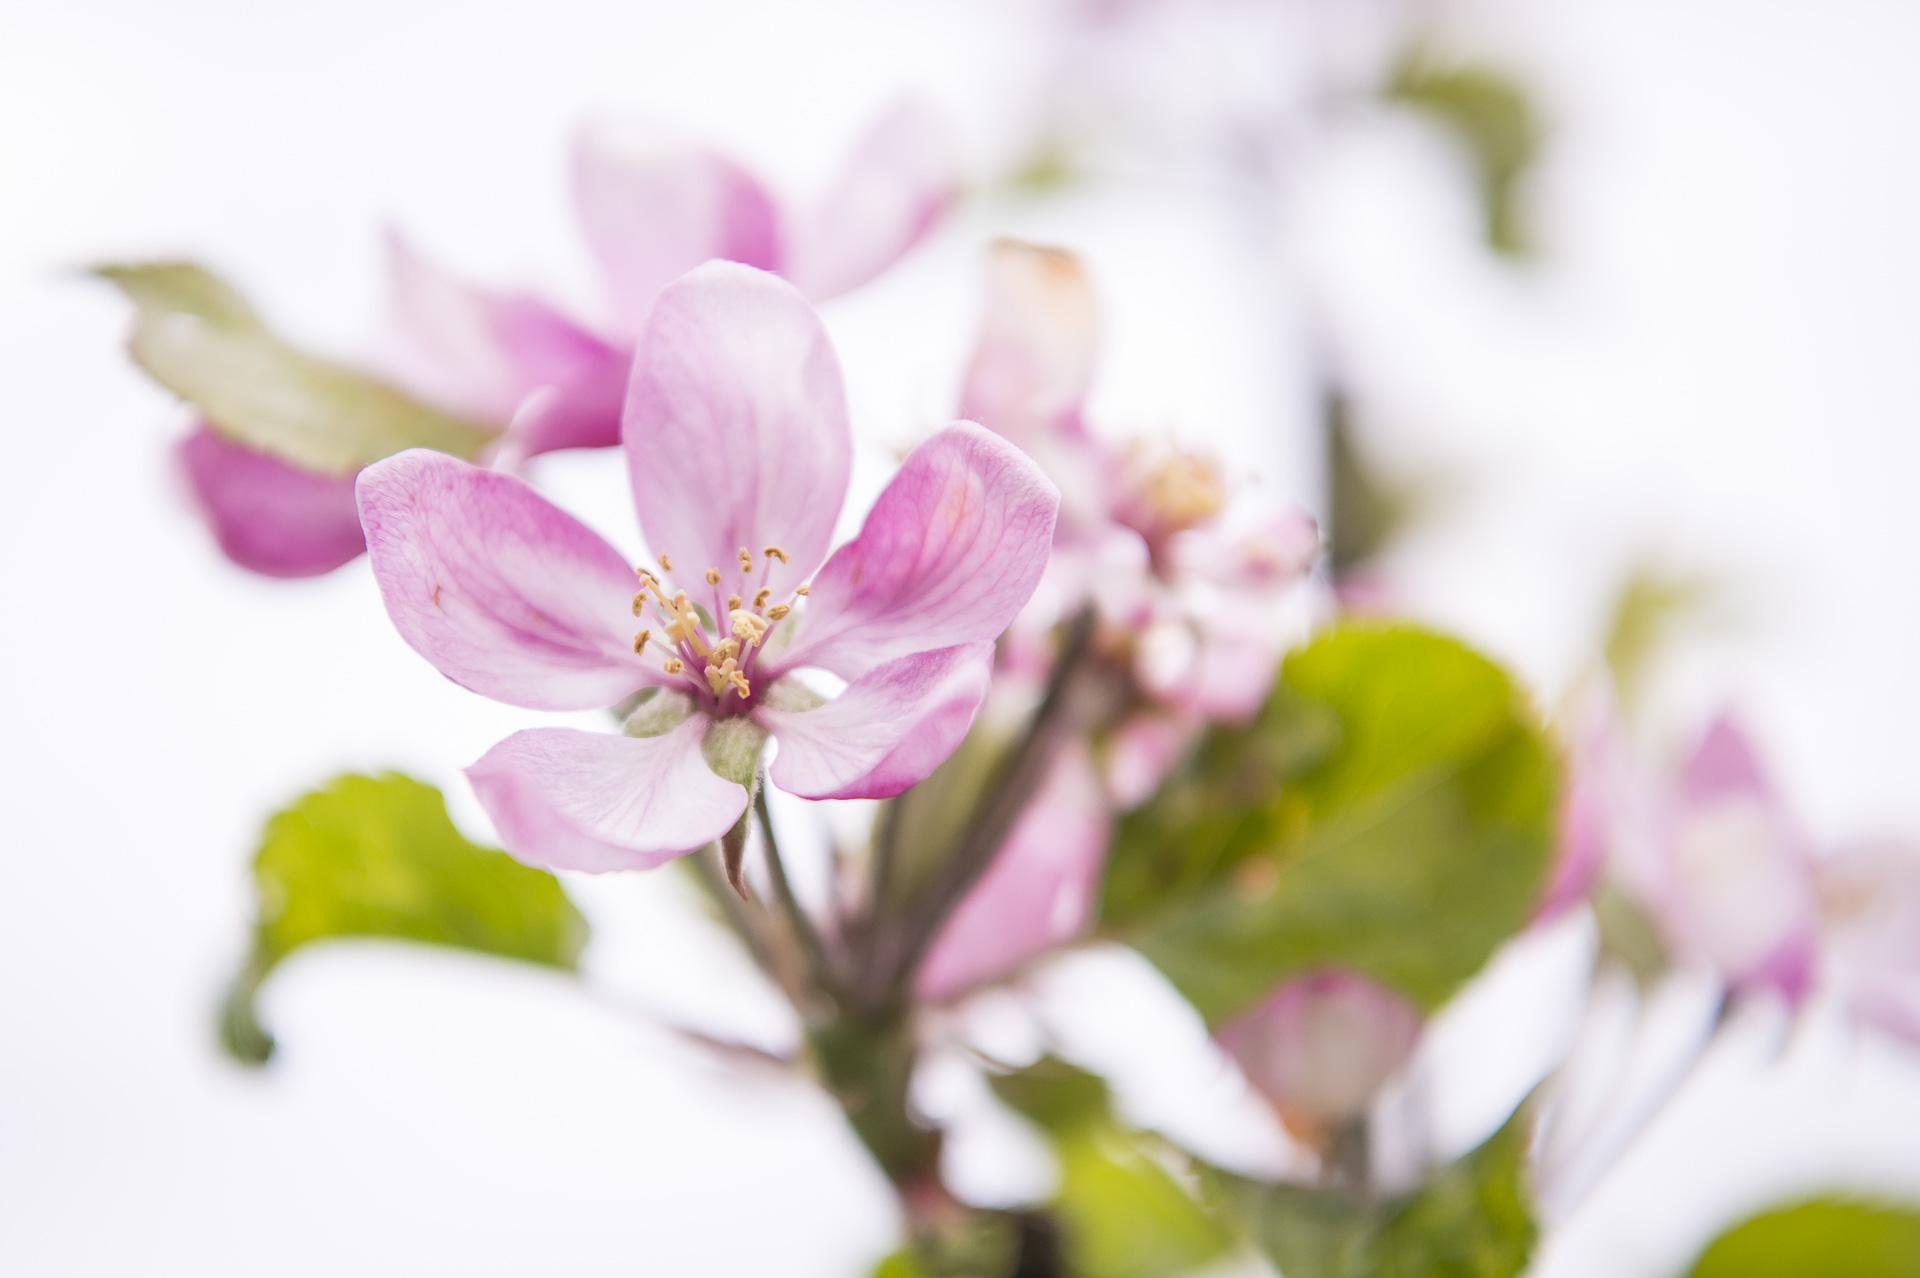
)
(818, 960)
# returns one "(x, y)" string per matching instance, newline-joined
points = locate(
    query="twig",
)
(816, 951)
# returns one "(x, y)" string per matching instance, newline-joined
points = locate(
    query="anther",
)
(746, 560)
(713, 576)
(645, 576)
(740, 681)
(773, 552)
(666, 564)
(640, 642)
(733, 601)
(640, 604)
(801, 590)
(760, 596)
(777, 611)
(675, 665)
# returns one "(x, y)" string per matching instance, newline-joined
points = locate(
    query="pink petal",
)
(270, 516)
(652, 213)
(1034, 362)
(1321, 1046)
(483, 353)
(1038, 893)
(1870, 895)
(1724, 762)
(736, 428)
(899, 181)
(948, 555)
(886, 731)
(501, 590)
(599, 801)
(1142, 751)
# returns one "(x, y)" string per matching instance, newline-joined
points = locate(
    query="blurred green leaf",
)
(1470, 1219)
(1391, 810)
(1651, 609)
(1628, 936)
(197, 337)
(1365, 510)
(1494, 119)
(378, 856)
(1824, 1238)
(1121, 1213)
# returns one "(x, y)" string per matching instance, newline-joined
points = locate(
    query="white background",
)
(1714, 365)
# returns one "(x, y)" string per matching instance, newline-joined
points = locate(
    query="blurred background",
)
(1704, 366)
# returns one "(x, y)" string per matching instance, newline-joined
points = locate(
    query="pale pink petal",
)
(652, 211)
(481, 352)
(598, 801)
(948, 555)
(886, 731)
(1143, 749)
(1592, 795)
(1870, 897)
(1034, 362)
(1321, 1046)
(270, 516)
(1273, 552)
(1037, 893)
(899, 181)
(501, 590)
(736, 428)
(581, 412)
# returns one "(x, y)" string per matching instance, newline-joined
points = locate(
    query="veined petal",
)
(1034, 362)
(898, 182)
(653, 211)
(1037, 893)
(886, 732)
(948, 555)
(500, 589)
(268, 515)
(736, 428)
(599, 801)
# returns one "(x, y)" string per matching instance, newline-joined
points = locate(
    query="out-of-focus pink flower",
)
(1593, 791)
(1320, 1046)
(270, 516)
(1144, 533)
(1723, 870)
(737, 441)
(652, 211)
(1037, 893)
(1870, 958)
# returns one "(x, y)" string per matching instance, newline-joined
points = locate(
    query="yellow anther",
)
(666, 564)
(760, 596)
(733, 601)
(640, 642)
(713, 576)
(746, 560)
(747, 628)
(726, 672)
(645, 576)
(801, 590)
(726, 649)
(675, 665)
(640, 604)
(740, 682)
(777, 611)
(773, 552)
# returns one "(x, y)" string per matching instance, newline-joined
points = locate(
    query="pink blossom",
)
(1594, 790)
(1321, 1045)
(738, 448)
(270, 516)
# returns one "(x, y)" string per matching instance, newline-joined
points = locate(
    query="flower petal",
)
(268, 515)
(949, 554)
(886, 732)
(1037, 893)
(736, 426)
(1034, 362)
(598, 801)
(898, 182)
(501, 590)
(653, 211)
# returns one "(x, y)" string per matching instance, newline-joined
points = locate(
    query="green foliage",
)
(1122, 1214)
(197, 337)
(1471, 1219)
(1365, 510)
(378, 856)
(1652, 608)
(1390, 810)
(1823, 1238)
(1491, 115)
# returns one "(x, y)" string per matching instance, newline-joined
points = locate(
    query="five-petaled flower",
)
(739, 450)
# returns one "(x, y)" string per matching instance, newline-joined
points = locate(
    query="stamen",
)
(640, 642)
(640, 604)
(713, 576)
(746, 560)
(747, 628)
(801, 590)
(773, 552)
(733, 601)
(647, 578)
(760, 596)
(666, 564)
(726, 650)
(777, 611)
(740, 681)
(674, 665)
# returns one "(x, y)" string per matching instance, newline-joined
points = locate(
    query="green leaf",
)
(197, 337)
(1365, 509)
(1407, 850)
(1122, 1214)
(378, 856)
(1493, 118)
(1651, 611)
(1471, 1219)
(1823, 1238)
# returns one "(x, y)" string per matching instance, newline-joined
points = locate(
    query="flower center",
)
(717, 662)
